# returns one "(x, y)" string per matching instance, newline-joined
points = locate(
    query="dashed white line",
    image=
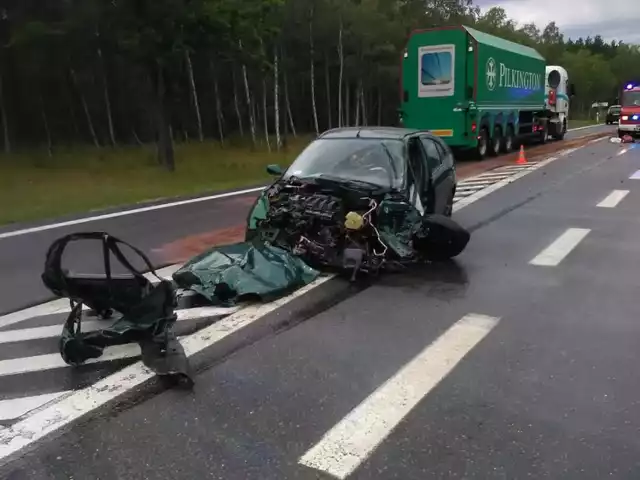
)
(343, 448)
(560, 248)
(613, 199)
(635, 176)
(622, 152)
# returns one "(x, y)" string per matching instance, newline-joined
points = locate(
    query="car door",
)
(441, 181)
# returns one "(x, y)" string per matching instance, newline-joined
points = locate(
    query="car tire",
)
(509, 140)
(482, 149)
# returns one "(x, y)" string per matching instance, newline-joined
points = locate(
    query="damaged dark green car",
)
(363, 199)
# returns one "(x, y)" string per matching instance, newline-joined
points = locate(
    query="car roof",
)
(391, 133)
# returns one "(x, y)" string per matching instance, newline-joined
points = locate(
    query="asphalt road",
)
(536, 381)
(22, 257)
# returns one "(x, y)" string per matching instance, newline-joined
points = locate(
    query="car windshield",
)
(631, 99)
(374, 161)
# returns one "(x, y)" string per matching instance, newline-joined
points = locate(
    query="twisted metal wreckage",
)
(298, 228)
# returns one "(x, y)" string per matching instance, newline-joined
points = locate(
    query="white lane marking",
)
(622, 152)
(587, 126)
(486, 191)
(17, 407)
(52, 331)
(613, 199)
(343, 448)
(560, 247)
(635, 176)
(597, 140)
(61, 305)
(568, 151)
(36, 426)
(51, 361)
(133, 211)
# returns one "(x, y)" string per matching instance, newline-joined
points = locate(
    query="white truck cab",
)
(557, 94)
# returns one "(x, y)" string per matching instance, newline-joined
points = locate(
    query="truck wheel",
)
(560, 128)
(483, 144)
(496, 142)
(507, 143)
(544, 135)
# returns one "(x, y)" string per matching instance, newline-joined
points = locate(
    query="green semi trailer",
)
(481, 92)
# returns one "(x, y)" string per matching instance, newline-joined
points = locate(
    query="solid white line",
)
(568, 151)
(106, 216)
(560, 248)
(36, 426)
(52, 331)
(613, 199)
(17, 407)
(622, 152)
(343, 448)
(635, 176)
(587, 126)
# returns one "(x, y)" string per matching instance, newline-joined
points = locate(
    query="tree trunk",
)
(5, 121)
(219, 113)
(85, 107)
(379, 106)
(45, 123)
(276, 98)
(286, 96)
(107, 99)
(236, 102)
(194, 95)
(327, 81)
(347, 104)
(364, 105)
(166, 155)
(357, 99)
(313, 73)
(341, 78)
(264, 113)
(252, 118)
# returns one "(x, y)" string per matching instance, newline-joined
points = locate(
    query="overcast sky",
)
(613, 19)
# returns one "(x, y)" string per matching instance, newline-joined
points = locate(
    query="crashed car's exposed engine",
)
(326, 226)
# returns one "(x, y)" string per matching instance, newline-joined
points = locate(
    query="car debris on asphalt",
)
(371, 208)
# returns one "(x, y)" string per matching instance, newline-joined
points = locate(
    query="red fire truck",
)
(630, 113)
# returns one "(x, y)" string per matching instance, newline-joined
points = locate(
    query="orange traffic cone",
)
(521, 158)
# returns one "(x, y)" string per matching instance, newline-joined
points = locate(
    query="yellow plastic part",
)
(353, 221)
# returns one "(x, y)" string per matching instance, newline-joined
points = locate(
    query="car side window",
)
(433, 155)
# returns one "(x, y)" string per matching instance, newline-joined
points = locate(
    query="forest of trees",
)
(114, 72)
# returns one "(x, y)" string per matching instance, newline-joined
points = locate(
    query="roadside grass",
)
(582, 123)
(34, 186)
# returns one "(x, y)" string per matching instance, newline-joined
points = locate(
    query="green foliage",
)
(72, 67)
